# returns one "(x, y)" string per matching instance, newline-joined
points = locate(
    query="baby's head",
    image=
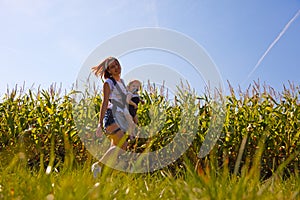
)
(134, 86)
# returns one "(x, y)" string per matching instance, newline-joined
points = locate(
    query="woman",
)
(111, 112)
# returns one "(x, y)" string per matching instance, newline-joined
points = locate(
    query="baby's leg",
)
(131, 124)
(135, 119)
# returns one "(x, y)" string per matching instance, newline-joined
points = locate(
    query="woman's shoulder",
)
(109, 82)
(112, 81)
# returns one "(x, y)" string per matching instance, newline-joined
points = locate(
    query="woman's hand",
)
(99, 131)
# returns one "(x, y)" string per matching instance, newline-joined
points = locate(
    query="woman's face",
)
(114, 68)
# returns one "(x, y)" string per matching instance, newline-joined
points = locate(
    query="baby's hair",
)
(131, 82)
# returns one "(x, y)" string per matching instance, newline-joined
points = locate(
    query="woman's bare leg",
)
(111, 156)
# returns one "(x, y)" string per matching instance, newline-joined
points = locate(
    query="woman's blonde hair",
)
(101, 69)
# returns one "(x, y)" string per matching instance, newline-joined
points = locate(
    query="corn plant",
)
(51, 130)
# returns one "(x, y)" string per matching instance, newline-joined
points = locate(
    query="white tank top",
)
(114, 92)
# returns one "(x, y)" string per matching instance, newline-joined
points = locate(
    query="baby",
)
(133, 99)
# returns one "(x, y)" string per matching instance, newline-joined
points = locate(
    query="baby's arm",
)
(129, 101)
(128, 97)
(133, 104)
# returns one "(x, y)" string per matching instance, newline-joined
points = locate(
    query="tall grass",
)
(20, 183)
(257, 155)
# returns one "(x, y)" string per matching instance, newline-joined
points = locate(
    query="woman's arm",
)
(106, 92)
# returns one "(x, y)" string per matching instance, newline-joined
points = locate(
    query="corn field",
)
(261, 129)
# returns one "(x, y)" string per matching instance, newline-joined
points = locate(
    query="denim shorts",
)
(108, 118)
(119, 118)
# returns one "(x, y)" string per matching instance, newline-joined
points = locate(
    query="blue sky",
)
(44, 42)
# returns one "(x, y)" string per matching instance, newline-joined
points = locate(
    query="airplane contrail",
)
(273, 43)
